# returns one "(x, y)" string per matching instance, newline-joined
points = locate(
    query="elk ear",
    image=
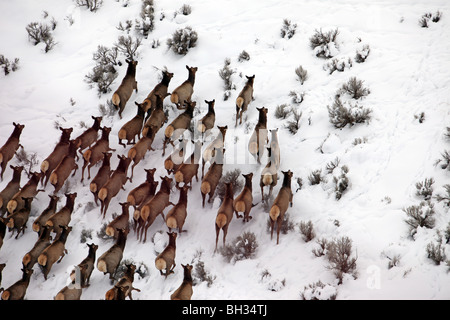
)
(127, 61)
(136, 103)
(187, 67)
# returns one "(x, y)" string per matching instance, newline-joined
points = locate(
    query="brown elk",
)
(114, 183)
(183, 93)
(18, 220)
(129, 83)
(102, 176)
(158, 117)
(244, 201)
(269, 176)
(69, 292)
(244, 98)
(44, 240)
(89, 136)
(138, 151)
(176, 158)
(54, 252)
(132, 128)
(281, 204)
(259, 137)
(11, 188)
(176, 216)
(179, 125)
(62, 217)
(84, 268)
(119, 222)
(155, 206)
(143, 191)
(207, 121)
(67, 166)
(160, 89)
(184, 291)
(41, 220)
(59, 152)
(209, 152)
(95, 153)
(189, 168)
(18, 290)
(29, 190)
(8, 150)
(225, 213)
(110, 260)
(2, 230)
(212, 177)
(124, 286)
(166, 259)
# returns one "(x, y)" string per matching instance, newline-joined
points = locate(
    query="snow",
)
(407, 71)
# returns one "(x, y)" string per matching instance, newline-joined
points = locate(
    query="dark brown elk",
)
(225, 213)
(269, 176)
(8, 150)
(95, 153)
(281, 204)
(183, 93)
(132, 128)
(129, 83)
(179, 125)
(259, 137)
(176, 216)
(119, 222)
(166, 259)
(59, 152)
(209, 152)
(244, 98)
(184, 291)
(114, 184)
(44, 240)
(143, 191)
(189, 168)
(244, 201)
(11, 188)
(2, 231)
(19, 289)
(82, 274)
(18, 220)
(123, 288)
(176, 158)
(89, 136)
(110, 260)
(158, 116)
(160, 89)
(61, 219)
(67, 166)
(41, 220)
(212, 177)
(102, 176)
(155, 206)
(29, 190)
(54, 252)
(138, 151)
(207, 121)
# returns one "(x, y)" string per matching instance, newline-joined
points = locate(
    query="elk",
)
(94, 154)
(132, 128)
(244, 201)
(218, 142)
(166, 259)
(212, 177)
(156, 205)
(189, 168)
(110, 260)
(102, 176)
(184, 291)
(8, 150)
(11, 188)
(269, 176)
(58, 153)
(44, 240)
(70, 292)
(124, 286)
(138, 151)
(54, 252)
(180, 124)
(129, 83)
(29, 190)
(84, 268)
(158, 116)
(160, 89)
(18, 220)
(225, 213)
(207, 121)
(119, 222)
(89, 136)
(41, 220)
(281, 203)
(244, 98)
(62, 217)
(114, 183)
(18, 290)
(259, 136)
(67, 166)
(177, 215)
(143, 191)
(2, 231)
(183, 93)
(176, 158)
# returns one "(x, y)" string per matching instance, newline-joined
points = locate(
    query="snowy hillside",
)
(407, 72)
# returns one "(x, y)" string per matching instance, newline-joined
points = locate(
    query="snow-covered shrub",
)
(319, 291)
(354, 88)
(445, 161)
(324, 44)
(425, 188)
(202, 274)
(425, 19)
(242, 247)
(91, 5)
(338, 65)
(436, 252)
(186, 9)
(128, 46)
(420, 117)
(27, 160)
(315, 177)
(445, 198)
(106, 56)
(141, 269)
(361, 55)
(339, 255)
(297, 97)
(307, 230)
(229, 176)
(322, 249)
(243, 56)
(394, 261)
(7, 65)
(294, 125)
(288, 29)
(41, 32)
(182, 40)
(341, 182)
(127, 27)
(282, 111)
(272, 284)
(108, 110)
(447, 234)
(102, 76)
(344, 113)
(85, 235)
(147, 22)
(332, 165)
(421, 215)
(302, 74)
(225, 74)
(286, 225)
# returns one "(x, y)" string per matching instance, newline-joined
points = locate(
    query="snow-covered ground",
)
(407, 72)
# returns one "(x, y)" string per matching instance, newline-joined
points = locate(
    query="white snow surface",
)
(407, 71)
